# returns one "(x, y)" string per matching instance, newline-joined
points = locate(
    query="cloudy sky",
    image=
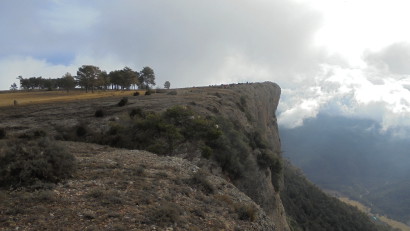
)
(336, 56)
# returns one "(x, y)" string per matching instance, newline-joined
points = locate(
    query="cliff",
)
(219, 164)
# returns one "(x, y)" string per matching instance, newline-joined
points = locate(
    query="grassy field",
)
(33, 97)
(363, 208)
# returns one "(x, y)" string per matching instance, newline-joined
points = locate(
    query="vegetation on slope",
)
(28, 162)
(352, 157)
(309, 208)
(179, 129)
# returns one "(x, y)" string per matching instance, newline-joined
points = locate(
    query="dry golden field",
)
(33, 97)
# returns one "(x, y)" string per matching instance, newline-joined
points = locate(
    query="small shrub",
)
(246, 212)
(213, 109)
(95, 193)
(200, 179)
(44, 196)
(206, 152)
(112, 197)
(81, 130)
(89, 215)
(271, 160)
(2, 133)
(159, 147)
(136, 93)
(243, 101)
(99, 113)
(25, 162)
(268, 159)
(166, 213)
(224, 199)
(123, 102)
(139, 171)
(39, 133)
(33, 134)
(137, 112)
(148, 92)
(178, 115)
(39, 185)
(257, 141)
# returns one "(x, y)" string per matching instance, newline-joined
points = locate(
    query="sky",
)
(341, 57)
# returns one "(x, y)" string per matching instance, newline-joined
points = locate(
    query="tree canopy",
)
(146, 78)
(67, 82)
(167, 84)
(87, 76)
(91, 77)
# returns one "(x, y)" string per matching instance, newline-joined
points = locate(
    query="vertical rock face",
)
(259, 102)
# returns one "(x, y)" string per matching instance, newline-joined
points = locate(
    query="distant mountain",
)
(351, 156)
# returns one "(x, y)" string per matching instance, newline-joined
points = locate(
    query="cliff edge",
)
(218, 165)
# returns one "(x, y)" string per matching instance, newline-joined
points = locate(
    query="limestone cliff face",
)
(263, 102)
(254, 106)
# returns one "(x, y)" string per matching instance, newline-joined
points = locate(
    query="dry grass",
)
(35, 97)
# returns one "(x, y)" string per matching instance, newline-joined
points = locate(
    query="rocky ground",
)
(117, 189)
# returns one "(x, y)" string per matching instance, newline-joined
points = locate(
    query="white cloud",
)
(193, 42)
(12, 67)
(393, 59)
(351, 92)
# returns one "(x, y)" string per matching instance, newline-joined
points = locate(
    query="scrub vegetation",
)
(28, 162)
(171, 131)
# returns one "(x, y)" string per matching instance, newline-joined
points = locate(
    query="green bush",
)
(2, 133)
(164, 133)
(206, 151)
(309, 208)
(243, 101)
(99, 113)
(257, 141)
(269, 159)
(178, 115)
(123, 102)
(81, 130)
(26, 162)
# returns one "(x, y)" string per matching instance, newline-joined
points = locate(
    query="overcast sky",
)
(338, 56)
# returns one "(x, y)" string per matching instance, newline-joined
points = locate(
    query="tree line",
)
(91, 77)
